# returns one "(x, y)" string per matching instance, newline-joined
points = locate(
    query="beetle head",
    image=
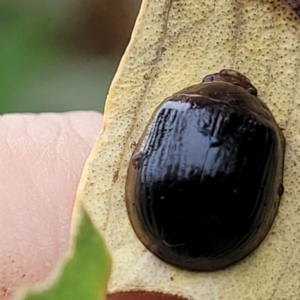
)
(232, 77)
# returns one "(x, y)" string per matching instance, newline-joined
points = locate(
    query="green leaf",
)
(84, 274)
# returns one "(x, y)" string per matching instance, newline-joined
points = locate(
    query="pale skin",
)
(41, 157)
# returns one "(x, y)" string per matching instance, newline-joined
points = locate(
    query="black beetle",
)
(205, 179)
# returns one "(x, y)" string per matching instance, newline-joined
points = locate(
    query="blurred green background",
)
(61, 55)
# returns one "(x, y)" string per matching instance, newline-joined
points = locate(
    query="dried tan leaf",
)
(174, 44)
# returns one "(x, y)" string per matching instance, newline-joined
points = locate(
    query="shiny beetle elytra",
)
(205, 179)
